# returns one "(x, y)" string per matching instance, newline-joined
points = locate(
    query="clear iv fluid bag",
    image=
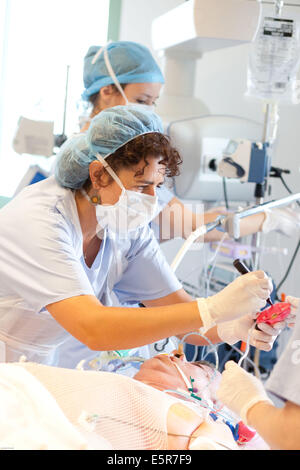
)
(274, 60)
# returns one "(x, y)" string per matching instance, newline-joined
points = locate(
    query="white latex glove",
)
(239, 390)
(284, 220)
(237, 330)
(247, 294)
(295, 303)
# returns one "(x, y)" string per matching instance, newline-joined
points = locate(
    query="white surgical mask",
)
(132, 211)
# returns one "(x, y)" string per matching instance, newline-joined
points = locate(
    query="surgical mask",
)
(132, 211)
(115, 79)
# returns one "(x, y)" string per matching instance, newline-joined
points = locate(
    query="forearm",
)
(248, 226)
(177, 220)
(183, 297)
(251, 224)
(279, 427)
(109, 328)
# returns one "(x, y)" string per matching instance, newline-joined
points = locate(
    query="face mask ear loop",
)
(110, 171)
(95, 58)
(113, 75)
(110, 69)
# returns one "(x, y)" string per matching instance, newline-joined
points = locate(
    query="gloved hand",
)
(237, 330)
(239, 390)
(284, 220)
(247, 294)
(295, 303)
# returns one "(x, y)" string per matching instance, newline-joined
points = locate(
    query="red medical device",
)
(274, 314)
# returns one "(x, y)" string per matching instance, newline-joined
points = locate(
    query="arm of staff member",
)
(109, 328)
(246, 395)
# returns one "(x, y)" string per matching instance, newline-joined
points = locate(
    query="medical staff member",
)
(125, 72)
(74, 245)
(246, 395)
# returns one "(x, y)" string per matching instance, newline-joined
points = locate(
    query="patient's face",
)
(161, 372)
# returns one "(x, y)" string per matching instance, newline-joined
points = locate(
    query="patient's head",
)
(162, 373)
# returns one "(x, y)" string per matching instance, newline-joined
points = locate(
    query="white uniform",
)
(41, 262)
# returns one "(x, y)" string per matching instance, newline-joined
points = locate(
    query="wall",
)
(137, 17)
(220, 83)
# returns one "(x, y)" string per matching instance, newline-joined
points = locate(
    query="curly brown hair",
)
(153, 144)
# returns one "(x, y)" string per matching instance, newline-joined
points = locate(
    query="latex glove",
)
(284, 220)
(247, 294)
(295, 303)
(237, 330)
(239, 390)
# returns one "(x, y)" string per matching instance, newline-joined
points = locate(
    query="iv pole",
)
(270, 110)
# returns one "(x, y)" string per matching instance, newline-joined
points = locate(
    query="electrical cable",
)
(162, 346)
(297, 247)
(288, 269)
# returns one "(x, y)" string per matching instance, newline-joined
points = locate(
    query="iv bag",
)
(273, 61)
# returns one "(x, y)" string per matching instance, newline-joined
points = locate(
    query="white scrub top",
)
(41, 262)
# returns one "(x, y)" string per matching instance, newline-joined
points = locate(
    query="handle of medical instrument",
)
(242, 269)
(240, 266)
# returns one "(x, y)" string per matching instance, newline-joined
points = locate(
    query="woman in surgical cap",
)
(77, 245)
(120, 73)
(125, 72)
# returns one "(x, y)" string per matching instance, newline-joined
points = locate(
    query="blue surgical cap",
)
(108, 131)
(131, 62)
